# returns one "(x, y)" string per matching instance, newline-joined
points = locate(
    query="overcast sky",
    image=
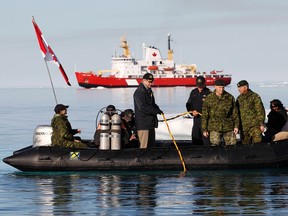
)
(247, 38)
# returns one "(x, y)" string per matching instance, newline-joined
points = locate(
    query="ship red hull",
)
(90, 80)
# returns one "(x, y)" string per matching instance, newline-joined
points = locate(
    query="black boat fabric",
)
(162, 157)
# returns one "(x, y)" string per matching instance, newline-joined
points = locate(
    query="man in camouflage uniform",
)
(63, 133)
(220, 116)
(251, 112)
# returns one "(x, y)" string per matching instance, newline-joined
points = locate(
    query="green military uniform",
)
(63, 133)
(220, 116)
(252, 116)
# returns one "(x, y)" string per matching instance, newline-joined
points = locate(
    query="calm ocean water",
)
(250, 192)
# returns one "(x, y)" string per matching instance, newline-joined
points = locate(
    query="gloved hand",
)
(160, 112)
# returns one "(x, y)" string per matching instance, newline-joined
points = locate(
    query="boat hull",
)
(91, 80)
(162, 157)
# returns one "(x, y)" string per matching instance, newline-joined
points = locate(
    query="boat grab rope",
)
(177, 116)
(72, 151)
(178, 150)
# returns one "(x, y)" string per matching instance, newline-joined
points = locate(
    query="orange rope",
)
(182, 114)
(178, 150)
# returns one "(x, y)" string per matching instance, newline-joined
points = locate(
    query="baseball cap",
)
(148, 76)
(200, 81)
(60, 107)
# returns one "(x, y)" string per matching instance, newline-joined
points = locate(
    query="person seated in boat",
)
(110, 111)
(277, 118)
(282, 135)
(63, 134)
(128, 130)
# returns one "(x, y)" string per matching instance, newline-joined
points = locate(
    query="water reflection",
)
(237, 192)
(127, 192)
(197, 192)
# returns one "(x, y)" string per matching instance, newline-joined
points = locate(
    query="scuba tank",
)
(116, 136)
(110, 135)
(105, 136)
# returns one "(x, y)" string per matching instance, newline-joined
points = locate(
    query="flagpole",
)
(51, 82)
(49, 55)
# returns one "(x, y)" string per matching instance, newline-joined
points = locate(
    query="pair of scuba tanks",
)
(110, 132)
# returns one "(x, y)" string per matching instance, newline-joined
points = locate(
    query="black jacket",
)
(146, 109)
(196, 99)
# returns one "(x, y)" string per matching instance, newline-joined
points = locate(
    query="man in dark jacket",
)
(194, 106)
(146, 111)
(63, 134)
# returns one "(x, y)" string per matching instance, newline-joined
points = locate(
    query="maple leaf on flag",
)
(47, 52)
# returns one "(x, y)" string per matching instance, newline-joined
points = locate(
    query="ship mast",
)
(125, 46)
(170, 51)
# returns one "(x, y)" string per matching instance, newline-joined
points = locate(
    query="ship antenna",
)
(170, 51)
(169, 38)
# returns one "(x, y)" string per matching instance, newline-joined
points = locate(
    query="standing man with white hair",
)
(146, 111)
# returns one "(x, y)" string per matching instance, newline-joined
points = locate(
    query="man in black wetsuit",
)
(128, 130)
(194, 106)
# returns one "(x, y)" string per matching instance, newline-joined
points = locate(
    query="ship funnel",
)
(152, 54)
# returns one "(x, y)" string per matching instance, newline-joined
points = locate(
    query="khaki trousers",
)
(146, 137)
(280, 136)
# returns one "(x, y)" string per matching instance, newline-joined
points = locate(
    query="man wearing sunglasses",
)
(146, 111)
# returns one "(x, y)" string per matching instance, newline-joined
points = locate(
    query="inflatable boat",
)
(164, 156)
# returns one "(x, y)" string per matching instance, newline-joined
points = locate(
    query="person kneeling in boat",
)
(128, 130)
(277, 118)
(63, 134)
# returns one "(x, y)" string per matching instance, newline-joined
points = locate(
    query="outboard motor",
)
(105, 136)
(42, 135)
(116, 136)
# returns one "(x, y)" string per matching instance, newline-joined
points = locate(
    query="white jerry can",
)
(42, 135)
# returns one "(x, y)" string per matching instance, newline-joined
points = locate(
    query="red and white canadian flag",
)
(47, 52)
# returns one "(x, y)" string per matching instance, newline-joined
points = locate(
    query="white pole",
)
(51, 83)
